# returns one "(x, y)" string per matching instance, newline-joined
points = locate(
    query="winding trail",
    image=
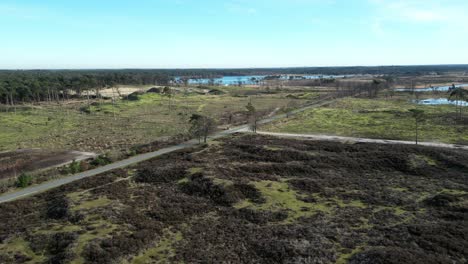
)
(362, 140)
(244, 128)
(42, 187)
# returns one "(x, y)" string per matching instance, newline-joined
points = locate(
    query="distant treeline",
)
(374, 70)
(28, 86)
(49, 85)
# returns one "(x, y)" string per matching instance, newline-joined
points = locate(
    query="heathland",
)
(104, 125)
(383, 117)
(253, 199)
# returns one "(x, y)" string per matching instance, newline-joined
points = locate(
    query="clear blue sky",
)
(230, 33)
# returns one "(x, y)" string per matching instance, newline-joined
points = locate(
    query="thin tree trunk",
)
(417, 133)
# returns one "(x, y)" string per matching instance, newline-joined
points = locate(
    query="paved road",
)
(363, 140)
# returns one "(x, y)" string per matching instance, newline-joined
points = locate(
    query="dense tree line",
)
(374, 70)
(49, 85)
(30, 86)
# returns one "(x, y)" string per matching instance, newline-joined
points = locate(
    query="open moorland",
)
(254, 199)
(384, 117)
(102, 125)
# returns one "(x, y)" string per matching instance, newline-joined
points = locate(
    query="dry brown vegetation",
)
(253, 199)
(14, 162)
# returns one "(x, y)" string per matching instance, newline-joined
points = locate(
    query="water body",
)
(440, 101)
(437, 88)
(255, 79)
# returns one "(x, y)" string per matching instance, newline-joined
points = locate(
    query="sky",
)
(91, 34)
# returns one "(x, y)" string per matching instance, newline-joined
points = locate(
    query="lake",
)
(255, 79)
(440, 101)
(437, 88)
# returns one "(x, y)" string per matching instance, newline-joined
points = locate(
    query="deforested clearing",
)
(254, 199)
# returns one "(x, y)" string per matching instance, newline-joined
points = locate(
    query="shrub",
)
(161, 174)
(100, 161)
(74, 167)
(57, 207)
(84, 166)
(24, 180)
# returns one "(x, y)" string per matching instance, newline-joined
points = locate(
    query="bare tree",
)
(418, 116)
(201, 126)
(252, 117)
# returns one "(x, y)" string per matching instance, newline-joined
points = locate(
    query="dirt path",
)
(363, 140)
(137, 159)
(33, 160)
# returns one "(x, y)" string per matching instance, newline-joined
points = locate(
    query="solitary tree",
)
(458, 94)
(252, 117)
(418, 116)
(168, 93)
(201, 126)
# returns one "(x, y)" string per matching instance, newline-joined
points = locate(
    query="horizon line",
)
(227, 68)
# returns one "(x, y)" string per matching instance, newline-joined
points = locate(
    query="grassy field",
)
(385, 118)
(253, 199)
(105, 126)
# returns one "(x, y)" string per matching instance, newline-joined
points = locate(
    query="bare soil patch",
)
(12, 163)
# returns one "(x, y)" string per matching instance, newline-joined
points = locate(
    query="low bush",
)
(101, 160)
(161, 174)
(24, 180)
(74, 167)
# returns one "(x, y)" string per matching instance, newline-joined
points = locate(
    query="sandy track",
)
(363, 140)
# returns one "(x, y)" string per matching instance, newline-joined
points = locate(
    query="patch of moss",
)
(454, 192)
(272, 148)
(222, 182)
(397, 210)
(162, 251)
(91, 204)
(279, 197)
(352, 203)
(98, 229)
(21, 247)
(343, 258)
(183, 180)
(399, 189)
(195, 170)
(418, 161)
(58, 228)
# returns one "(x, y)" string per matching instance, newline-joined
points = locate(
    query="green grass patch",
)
(105, 126)
(91, 204)
(343, 258)
(272, 148)
(98, 229)
(454, 192)
(352, 203)
(21, 247)
(417, 161)
(279, 197)
(376, 118)
(162, 251)
(195, 170)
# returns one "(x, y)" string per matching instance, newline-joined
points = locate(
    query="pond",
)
(255, 79)
(440, 101)
(431, 89)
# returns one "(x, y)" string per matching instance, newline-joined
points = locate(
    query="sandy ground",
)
(363, 140)
(26, 160)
